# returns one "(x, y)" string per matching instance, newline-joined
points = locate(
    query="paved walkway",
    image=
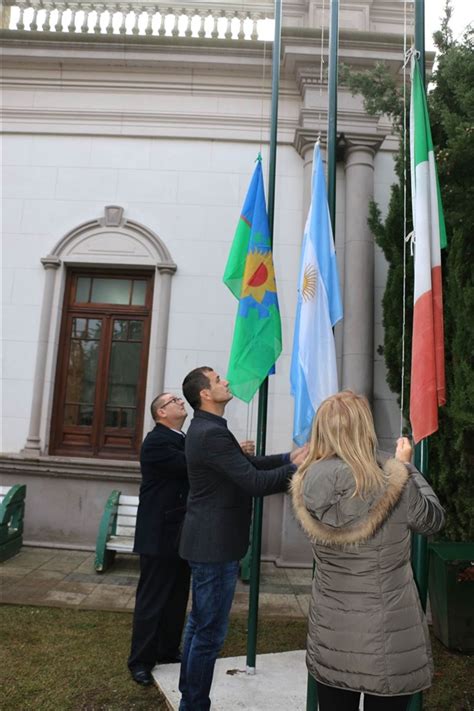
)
(66, 578)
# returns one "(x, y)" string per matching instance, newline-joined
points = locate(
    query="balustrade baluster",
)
(228, 31)
(72, 20)
(175, 25)
(188, 29)
(34, 19)
(149, 23)
(161, 26)
(255, 17)
(86, 8)
(110, 24)
(242, 16)
(98, 14)
(123, 9)
(215, 26)
(59, 20)
(135, 28)
(47, 14)
(203, 14)
(20, 25)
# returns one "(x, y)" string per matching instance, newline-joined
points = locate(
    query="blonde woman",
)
(367, 631)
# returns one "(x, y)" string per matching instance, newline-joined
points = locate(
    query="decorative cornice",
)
(143, 123)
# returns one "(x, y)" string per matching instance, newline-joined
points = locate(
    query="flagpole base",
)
(250, 671)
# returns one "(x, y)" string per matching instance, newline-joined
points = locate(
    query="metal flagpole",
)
(263, 391)
(419, 543)
(332, 110)
(312, 694)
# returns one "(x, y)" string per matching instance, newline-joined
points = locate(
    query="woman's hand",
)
(404, 449)
(298, 455)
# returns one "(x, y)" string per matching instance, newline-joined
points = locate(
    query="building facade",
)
(129, 139)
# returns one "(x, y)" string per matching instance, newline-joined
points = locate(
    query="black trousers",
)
(160, 609)
(332, 699)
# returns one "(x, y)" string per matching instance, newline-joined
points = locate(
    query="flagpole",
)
(312, 692)
(332, 110)
(419, 542)
(256, 544)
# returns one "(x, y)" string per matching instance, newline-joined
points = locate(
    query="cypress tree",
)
(451, 105)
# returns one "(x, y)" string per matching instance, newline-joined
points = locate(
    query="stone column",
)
(357, 348)
(162, 322)
(33, 443)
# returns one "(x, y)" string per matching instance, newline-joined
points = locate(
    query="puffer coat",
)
(366, 629)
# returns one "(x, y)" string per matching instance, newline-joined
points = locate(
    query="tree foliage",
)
(451, 105)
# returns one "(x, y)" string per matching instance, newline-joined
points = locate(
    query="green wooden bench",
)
(116, 530)
(12, 510)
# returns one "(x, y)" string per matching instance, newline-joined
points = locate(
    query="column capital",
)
(50, 262)
(306, 137)
(353, 142)
(166, 267)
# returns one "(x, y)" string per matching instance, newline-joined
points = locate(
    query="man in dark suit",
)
(223, 480)
(163, 587)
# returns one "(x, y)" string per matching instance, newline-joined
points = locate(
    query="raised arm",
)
(225, 457)
(425, 513)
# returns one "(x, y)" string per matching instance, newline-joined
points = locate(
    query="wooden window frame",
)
(108, 312)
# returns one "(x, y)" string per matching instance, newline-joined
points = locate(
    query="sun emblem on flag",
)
(259, 276)
(308, 289)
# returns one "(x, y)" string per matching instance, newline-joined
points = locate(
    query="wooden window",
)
(102, 364)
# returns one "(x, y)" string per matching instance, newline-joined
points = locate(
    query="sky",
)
(463, 14)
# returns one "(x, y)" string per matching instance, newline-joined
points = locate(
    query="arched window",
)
(111, 281)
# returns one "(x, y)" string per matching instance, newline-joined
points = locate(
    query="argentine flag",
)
(313, 375)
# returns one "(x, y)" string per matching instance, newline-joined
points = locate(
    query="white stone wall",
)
(188, 192)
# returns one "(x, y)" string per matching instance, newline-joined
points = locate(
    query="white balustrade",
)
(213, 20)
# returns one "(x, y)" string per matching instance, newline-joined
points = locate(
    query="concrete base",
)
(278, 685)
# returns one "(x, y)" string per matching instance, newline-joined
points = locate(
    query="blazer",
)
(222, 482)
(366, 628)
(163, 493)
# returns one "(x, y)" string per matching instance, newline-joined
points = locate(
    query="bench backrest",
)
(3, 492)
(127, 516)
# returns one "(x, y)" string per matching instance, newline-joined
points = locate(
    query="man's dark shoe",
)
(142, 676)
(170, 659)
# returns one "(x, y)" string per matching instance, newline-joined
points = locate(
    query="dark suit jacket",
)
(223, 481)
(163, 493)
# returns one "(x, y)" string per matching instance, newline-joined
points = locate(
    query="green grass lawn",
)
(63, 659)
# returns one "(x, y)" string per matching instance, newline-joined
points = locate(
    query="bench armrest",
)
(107, 528)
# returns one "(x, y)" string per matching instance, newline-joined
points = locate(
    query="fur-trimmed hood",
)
(327, 486)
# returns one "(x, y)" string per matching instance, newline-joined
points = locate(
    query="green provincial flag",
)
(250, 276)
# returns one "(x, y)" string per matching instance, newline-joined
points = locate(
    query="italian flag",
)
(427, 365)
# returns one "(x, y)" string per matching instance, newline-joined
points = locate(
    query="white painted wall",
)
(190, 193)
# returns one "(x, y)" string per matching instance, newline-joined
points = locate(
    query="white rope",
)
(407, 54)
(262, 93)
(321, 71)
(404, 130)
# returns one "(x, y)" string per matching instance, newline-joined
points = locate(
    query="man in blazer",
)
(163, 587)
(223, 480)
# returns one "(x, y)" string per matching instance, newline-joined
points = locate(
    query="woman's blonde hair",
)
(343, 427)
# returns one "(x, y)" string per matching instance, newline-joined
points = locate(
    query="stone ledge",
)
(69, 467)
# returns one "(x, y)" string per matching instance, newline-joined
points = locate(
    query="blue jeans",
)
(213, 586)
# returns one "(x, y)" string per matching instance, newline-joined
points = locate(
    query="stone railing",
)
(215, 20)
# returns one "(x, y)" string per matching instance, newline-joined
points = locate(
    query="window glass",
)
(123, 373)
(82, 371)
(111, 291)
(120, 417)
(83, 289)
(139, 292)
